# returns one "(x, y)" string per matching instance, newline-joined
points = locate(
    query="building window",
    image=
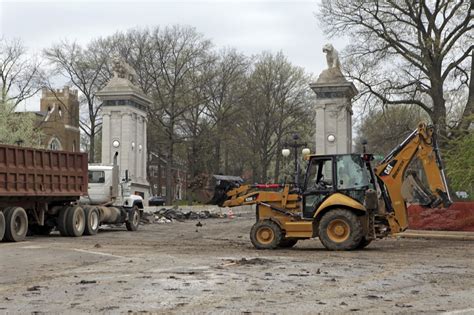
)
(55, 144)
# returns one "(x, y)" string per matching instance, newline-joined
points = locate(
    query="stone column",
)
(333, 112)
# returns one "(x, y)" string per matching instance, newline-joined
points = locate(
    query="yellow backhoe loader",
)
(343, 200)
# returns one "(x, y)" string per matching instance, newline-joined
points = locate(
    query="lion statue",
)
(122, 69)
(332, 57)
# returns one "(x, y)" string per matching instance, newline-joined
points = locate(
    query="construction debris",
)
(170, 215)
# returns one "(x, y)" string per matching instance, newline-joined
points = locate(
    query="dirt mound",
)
(458, 217)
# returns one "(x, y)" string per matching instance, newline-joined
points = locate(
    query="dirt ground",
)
(182, 268)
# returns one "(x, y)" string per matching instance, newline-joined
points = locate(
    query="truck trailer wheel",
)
(340, 229)
(92, 221)
(2, 225)
(266, 234)
(62, 221)
(75, 221)
(16, 224)
(133, 219)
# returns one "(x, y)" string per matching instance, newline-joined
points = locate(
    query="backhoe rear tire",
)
(287, 242)
(2, 225)
(266, 234)
(340, 229)
(16, 224)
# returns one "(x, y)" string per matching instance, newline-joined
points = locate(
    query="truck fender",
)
(133, 200)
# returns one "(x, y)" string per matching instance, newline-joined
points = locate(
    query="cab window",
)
(319, 175)
(351, 172)
(96, 177)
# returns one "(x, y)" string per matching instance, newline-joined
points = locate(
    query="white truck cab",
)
(105, 188)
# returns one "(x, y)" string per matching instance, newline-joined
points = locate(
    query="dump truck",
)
(344, 201)
(41, 190)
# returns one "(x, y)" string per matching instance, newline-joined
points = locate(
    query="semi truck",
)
(42, 190)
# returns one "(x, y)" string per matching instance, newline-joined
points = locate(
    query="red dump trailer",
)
(38, 191)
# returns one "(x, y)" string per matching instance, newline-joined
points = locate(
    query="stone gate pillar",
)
(333, 108)
(124, 127)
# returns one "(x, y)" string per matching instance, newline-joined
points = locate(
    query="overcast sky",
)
(249, 26)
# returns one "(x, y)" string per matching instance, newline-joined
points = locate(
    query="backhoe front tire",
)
(266, 234)
(340, 229)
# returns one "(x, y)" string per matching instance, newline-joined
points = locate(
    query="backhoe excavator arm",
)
(391, 171)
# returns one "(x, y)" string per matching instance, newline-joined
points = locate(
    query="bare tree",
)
(407, 52)
(175, 57)
(86, 70)
(19, 73)
(275, 105)
(225, 91)
(385, 128)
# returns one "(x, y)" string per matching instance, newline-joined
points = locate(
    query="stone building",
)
(59, 119)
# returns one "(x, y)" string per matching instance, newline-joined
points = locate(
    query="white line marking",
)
(97, 253)
(14, 244)
(464, 311)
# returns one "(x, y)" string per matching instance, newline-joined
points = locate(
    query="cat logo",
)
(388, 169)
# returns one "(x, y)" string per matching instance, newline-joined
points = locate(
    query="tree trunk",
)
(468, 113)
(438, 115)
(226, 160)
(276, 177)
(217, 157)
(92, 145)
(169, 170)
(263, 177)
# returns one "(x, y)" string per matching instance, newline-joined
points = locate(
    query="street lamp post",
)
(295, 145)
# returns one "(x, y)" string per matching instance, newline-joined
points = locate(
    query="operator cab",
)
(349, 174)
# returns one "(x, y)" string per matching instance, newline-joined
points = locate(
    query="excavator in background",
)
(343, 200)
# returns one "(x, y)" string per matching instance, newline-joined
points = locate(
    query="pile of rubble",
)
(170, 215)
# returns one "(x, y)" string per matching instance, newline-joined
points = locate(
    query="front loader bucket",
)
(212, 189)
(222, 184)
